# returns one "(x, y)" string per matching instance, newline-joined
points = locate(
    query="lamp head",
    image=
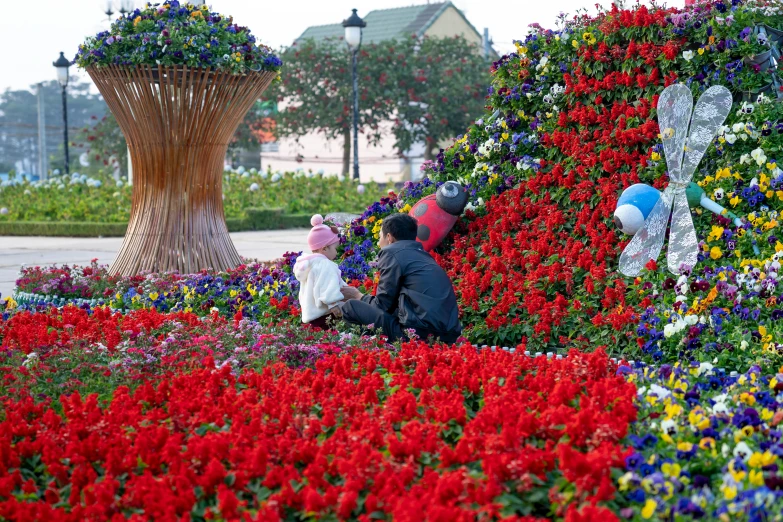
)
(62, 64)
(353, 30)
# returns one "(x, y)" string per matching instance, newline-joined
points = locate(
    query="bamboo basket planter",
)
(177, 123)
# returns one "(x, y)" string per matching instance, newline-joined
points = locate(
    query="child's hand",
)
(336, 311)
(350, 292)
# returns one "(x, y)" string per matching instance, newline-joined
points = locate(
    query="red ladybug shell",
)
(434, 222)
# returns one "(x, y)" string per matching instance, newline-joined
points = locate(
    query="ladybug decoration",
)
(437, 213)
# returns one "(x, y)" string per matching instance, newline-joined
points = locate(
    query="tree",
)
(440, 92)
(19, 121)
(316, 91)
(105, 140)
(427, 89)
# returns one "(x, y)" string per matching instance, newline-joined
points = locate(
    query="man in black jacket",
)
(413, 291)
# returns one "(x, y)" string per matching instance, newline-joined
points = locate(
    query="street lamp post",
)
(62, 64)
(353, 37)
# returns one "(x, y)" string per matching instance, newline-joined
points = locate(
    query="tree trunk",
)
(346, 151)
(429, 144)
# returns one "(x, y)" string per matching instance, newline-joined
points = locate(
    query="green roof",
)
(385, 24)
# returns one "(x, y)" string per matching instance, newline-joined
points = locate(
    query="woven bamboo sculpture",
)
(177, 122)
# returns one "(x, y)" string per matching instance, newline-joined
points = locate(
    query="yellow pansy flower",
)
(671, 469)
(698, 419)
(759, 460)
(715, 234)
(649, 508)
(685, 446)
(672, 410)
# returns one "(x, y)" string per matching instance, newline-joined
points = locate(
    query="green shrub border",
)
(255, 219)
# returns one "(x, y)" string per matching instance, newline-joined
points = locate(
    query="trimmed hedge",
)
(255, 219)
(62, 228)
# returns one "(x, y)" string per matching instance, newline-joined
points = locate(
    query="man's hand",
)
(350, 292)
(336, 311)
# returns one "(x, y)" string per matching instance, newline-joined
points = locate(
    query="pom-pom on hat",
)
(321, 235)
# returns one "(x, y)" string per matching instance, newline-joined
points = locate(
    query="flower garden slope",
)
(570, 123)
(539, 262)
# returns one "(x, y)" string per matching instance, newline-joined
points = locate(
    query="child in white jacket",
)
(321, 287)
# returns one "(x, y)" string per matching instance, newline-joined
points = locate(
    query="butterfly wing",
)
(683, 246)
(709, 114)
(674, 113)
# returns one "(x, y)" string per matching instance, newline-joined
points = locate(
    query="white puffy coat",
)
(320, 281)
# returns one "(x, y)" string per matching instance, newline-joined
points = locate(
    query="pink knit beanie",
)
(321, 235)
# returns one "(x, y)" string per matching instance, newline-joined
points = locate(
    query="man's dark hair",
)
(401, 226)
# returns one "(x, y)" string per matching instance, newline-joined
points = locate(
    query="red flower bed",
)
(542, 262)
(29, 332)
(431, 433)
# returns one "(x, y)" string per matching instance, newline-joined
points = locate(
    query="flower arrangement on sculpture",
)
(174, 33)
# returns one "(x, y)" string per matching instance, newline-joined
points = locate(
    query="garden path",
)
(16, 251)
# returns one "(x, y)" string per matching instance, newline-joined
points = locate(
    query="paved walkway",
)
(42, 251)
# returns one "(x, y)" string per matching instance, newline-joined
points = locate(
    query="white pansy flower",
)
(759, 156)
(668, 330)
(688, 55)
(669, 426)
(659, 391)
(742, 450)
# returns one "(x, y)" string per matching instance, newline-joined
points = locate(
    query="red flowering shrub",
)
(441, 434)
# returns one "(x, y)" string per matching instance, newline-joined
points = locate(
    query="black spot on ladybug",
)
(421, 209)
(423, 233)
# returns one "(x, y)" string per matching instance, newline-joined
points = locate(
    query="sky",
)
(32, 33)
